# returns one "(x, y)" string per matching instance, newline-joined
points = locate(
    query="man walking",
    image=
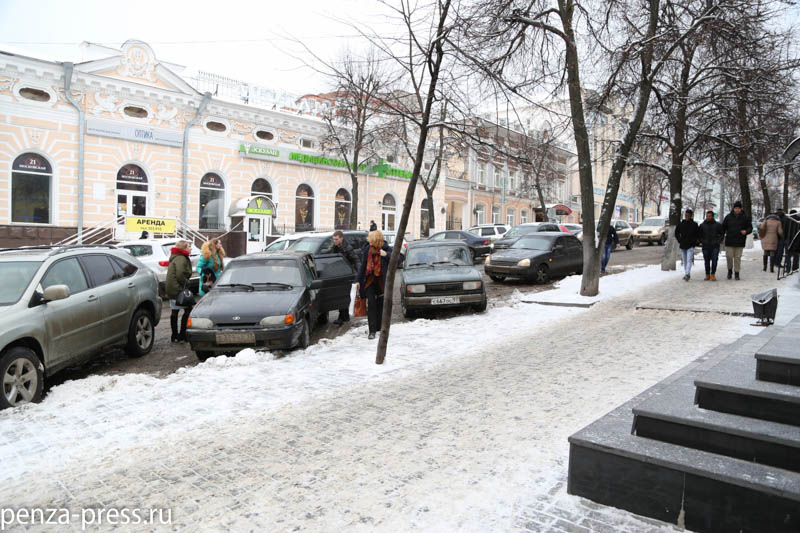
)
(687, 234)
(341, 246)
(711, 233)
(612, 241)
(737, 226)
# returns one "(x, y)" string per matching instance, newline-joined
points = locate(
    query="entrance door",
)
(258, 229)
(131, 204)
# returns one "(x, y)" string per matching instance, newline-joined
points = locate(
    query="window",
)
(131, 191)
(523, 216)
(497, 177)
(424, 222)
(480, 214)
(31, 179)
(512, 181)
(99, 269)
(341, 210)
(306, 143)
(510, 216)
(67, 272)
(122, 268)
(212, 202)
(213, 125)
(388, 213)
(390, 159)
(304, 208)
(139, 250)
(262, 186)
(495, 214)
(135, 111)
(487, 232)
(265, 135)
(481, 173)
(37, 95)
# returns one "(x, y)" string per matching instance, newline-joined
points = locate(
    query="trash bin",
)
(765, 305)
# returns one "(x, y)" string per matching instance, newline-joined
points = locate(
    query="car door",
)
(623, 232)
(309, 273)
(560, 255)
(337, 277)
(75, 324)
(438, 236)
(117, 295)
(574, 251)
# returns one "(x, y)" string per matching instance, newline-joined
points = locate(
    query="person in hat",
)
(687, 234)
(372, 225)
(770, 232)
(711, 234)
(144, 235)
(736, 226)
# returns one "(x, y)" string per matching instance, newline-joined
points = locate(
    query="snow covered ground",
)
(463, 428)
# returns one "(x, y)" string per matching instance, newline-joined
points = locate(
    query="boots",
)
(737, 276)
(173, 324)
(708, 277)
(766, 258)
(184, 323)
(730, 274)
(713, 277)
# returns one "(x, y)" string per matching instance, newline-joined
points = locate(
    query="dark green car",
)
(440, 275)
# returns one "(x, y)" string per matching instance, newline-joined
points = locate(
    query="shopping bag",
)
(185, 297)
(360, 307)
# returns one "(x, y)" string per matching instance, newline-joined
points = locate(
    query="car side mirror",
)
(56, 292)
(316, 284)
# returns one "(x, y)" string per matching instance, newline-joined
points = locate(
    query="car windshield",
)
(277, 245)
(653, 222)
(438, 255)
(533, 243)
(168, 249)
(16, 276)
(309, 244)
(260, 274)
(518, 231)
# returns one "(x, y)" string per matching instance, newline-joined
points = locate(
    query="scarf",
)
(374, 262)
(174, 250)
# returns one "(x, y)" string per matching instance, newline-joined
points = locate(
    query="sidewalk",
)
(449, 436)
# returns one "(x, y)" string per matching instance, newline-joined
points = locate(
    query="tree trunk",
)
(431, 214)
(762, 181)
(741, 155)
(786, 188)
(354, 201)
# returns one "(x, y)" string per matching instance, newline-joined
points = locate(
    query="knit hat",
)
(737, 203)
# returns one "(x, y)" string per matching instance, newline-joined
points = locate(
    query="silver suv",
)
(62, 305)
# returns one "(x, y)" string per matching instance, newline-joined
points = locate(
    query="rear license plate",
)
(236, 338)
(445, 300)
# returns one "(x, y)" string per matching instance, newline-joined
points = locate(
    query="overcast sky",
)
(203, 34)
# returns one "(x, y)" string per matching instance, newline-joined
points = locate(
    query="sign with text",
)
(258, 151)
(133, 132)
(260, 205)
(149, 224)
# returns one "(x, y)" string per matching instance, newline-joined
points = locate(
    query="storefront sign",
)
(624, 197)
(321, 160)
(131, 132)
(259, 206)
(150, 225)
(258, 151)
(31, 163)
(212, 181)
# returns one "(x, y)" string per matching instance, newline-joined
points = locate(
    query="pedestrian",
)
(341, 246)
(687, 233)
(144, 234)
(178, 274)
(210, 264)
(373, 226)
(770, 232)
(612, 241)
(371, 279)
(737, 226)
(711, 234)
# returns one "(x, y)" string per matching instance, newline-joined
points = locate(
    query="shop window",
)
(265, 135)
(37, 95)
(304, 208)
(342, 209)
(424, 227)
(212, 202)
(262, 187)
(216, 126)
(135, 111)
(388, 213)
(31, 181)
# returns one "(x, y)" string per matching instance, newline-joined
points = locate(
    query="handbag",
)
(360, 307)
(185, 297)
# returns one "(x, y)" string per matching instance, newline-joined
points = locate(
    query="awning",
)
(243, 207)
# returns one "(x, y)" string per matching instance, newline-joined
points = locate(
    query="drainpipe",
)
(68, 67)
(184, 184)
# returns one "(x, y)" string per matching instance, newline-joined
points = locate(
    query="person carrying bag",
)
(371, 279)
(180, 297)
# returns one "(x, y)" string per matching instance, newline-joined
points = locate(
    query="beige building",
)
(151, 145)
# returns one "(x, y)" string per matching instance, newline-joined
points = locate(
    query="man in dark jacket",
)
(737, 226)
(710, 235)
(687, 233)
(612, 241)
(341, 246)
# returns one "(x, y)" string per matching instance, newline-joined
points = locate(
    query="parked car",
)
(390, 236)
(267, 300)
(478, 246)
(516, 232)
(440, 274)
(537, 257)
(285, 241)
(63, 305)
(575, 229)
(154, 254)
(653, 229)
(493, 231)
(624, 233)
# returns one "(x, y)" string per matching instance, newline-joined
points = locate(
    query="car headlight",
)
(200, 323)
(488, 260)
(416, 289)
(472, 285)
(524, 263)
(277, 320)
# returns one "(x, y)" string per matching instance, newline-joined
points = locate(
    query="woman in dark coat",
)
(371, 278)
(178, 274)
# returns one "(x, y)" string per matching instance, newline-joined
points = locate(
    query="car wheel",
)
(481, 307)
(542, 274)
(305, 335)
(629, 244)
(649, 243)
(202, 356)
(497, 278)
(407, 313)
(22, 377)
(141, 334)
(322, 319)
(662, 241)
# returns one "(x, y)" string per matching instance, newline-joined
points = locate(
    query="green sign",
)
(258, 150)
(382, 169)
(259, 206)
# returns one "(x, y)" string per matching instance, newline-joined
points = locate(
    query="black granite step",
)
(731, 387)
(779, 360)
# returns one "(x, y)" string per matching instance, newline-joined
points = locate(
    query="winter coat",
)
(347, 251)
(733, 226)
(687, 233)
(770, 231)
(362, 271)
(710, 234)
(612, 236)
(208, 263)
(178, 273)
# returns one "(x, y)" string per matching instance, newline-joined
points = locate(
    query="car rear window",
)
(308, 244)
(521, 230)
(532, 242)
(16, 276)
(168, 249)
(139, 250)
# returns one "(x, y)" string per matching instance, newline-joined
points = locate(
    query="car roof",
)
(278, 254)
(44, 251)
(551, 234)
(428, 244)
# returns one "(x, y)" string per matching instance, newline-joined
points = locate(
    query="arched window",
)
(212, 202)
(31, 179)
(495, 214)
(480, 214)
(510, 216)
(262, 186)
(388, 213)
(342, 210)
(131, 191)
(523, 216)
(424, 227)
(304, 209)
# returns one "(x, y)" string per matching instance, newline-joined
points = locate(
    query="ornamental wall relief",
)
(137, 62)
(104, 104)
(167, 114)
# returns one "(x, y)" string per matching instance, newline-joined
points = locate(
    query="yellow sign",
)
(149, 224)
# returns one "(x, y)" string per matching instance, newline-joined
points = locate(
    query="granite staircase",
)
(714, 447)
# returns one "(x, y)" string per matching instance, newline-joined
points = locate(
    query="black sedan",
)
(537, 257)
(440, 274)
(478, 246)
(515, 233)
(268, 300)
